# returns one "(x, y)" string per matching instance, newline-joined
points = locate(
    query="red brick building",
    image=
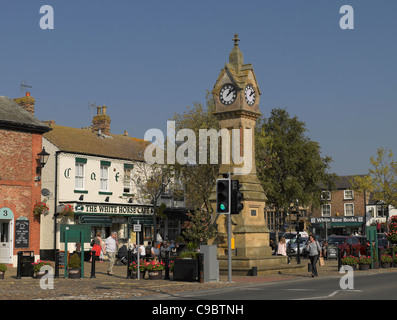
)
(342, 211)
(20, 185)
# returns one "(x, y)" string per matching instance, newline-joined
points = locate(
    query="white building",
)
(94, 172)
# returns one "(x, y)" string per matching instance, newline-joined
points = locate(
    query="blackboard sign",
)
(61, 259)
(22, 233)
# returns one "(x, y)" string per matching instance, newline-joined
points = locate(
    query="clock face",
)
(250, 95)
(228, 94)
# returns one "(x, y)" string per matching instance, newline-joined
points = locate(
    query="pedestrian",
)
(97, 247)
(164, 250)
(314, 250)
(282, 249)
(134, 252)
(111, 249)
(155, 251)
(142, 251)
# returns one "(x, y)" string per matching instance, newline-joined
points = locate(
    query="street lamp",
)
(42, 160)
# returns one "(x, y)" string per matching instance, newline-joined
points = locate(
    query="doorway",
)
(5, 241)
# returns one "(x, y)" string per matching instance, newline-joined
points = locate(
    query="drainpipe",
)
(55, 202)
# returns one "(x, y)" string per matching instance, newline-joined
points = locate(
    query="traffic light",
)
(237, 198)
(223, 196)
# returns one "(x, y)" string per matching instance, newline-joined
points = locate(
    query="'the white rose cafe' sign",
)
(132, 212)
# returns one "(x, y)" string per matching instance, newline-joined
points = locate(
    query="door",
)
(5, 241)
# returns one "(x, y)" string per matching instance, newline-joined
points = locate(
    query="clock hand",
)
(251, 93)
(230, 91)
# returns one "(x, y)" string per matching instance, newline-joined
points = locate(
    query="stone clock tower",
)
(237, 95)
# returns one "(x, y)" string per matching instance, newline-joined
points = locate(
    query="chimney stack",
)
(27, 103)
(101, 121)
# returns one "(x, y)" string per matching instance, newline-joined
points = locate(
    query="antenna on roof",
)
(92, 106)
(23, 85)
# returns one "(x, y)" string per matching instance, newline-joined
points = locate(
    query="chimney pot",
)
(28, 94)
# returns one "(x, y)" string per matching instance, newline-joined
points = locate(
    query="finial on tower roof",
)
(236, 39)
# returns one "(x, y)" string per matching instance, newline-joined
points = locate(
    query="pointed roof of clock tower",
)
(236, 57)
(236, 70)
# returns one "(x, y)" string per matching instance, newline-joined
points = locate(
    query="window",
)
(326, 210)
(127, 179)
(104, 177)
(326, 195)
(79, 176)
(348, 194)
(349, 209)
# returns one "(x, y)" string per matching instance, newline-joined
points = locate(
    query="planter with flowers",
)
(38, 272)
(74, 266)
(350, 261)
(155, 269)
(3, 269)
(364, 262)
(40, 208)
(385, 260)
(392, 234)
(134, 269)
(67, 210)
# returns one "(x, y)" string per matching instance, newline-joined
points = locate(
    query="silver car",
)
(294, 245)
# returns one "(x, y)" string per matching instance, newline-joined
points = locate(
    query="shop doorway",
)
(5, 241)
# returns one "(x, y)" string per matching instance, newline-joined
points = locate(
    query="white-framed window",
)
(104, 177)
(348, 194)
(326, 195)
(326, 210)
(79, 176)
(349, 209)
(127, 180)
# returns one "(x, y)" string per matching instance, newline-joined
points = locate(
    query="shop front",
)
(326, 226)
(106, 218)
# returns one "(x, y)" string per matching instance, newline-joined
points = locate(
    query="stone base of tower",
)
(243, 266)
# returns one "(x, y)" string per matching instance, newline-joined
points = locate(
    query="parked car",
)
(346, 243)
(294, 245)
(291, 235)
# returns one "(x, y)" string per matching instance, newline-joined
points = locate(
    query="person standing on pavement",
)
(282, 249)
(314, 250)
(111, 249)
(97, 247)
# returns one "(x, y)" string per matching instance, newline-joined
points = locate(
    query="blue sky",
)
(147, 60)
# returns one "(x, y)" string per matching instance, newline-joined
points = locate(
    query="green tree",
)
(200, 228)
(198, 179)
(381, 180)
(289, 164)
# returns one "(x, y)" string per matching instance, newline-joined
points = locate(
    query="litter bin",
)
(25, 267)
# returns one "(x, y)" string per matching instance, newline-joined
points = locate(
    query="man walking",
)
(111, 249)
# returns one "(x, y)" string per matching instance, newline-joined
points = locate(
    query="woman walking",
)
(313, 247)
(97, 247)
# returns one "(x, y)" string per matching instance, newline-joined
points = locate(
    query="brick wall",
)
(338, 204)
(18, 189)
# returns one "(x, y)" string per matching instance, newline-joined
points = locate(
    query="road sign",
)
(137, 227)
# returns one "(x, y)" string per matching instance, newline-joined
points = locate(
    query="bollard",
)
(339, 259)
(167, 266)
(129, 261)
(56, 274)
(93, 258)
(354, 252)
(254, 271)
(201, 267)
(19, 265)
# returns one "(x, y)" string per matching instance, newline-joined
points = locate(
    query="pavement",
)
(118, 287)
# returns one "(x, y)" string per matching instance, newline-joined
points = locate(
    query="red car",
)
(347, 244)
